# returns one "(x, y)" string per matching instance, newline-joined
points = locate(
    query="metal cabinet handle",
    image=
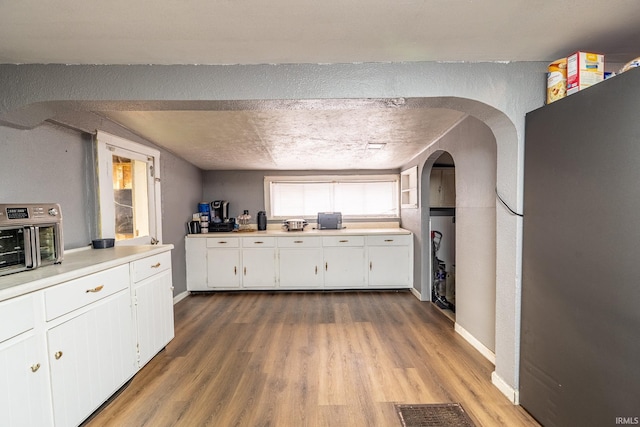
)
(388, 240)
(34, 368)
(235, 270)
(316, 270)
(370, 265)
(222, 242)
(57, 355)
(343, 241)
(245, 271)
(298, 241)
(155, 265)
(94, 290)
(326, 266)
(258, 243)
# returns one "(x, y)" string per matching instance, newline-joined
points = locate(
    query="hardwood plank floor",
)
(308, 359)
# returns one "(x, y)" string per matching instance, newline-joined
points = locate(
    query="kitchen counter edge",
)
(77, 263)
(284, 233)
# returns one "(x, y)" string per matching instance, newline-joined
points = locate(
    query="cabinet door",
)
(153, 299)
(300, 268)
(25, 399)
(344, 267)
(196, 259)
(259, 268)
(389, 266)
(90, 357)
(223, 268)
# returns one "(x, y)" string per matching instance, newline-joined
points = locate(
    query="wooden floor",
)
(308, 359)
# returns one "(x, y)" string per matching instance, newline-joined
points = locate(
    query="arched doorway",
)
(472, 148)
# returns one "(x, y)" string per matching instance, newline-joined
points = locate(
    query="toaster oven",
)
(30, 236)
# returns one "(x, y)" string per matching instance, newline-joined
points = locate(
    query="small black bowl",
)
(102, 243)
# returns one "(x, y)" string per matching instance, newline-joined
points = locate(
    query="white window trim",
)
(105, 146)
(331, 178)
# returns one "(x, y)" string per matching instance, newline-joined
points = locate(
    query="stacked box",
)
(584, 69)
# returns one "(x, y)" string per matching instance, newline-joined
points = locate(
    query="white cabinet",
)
(68, 346)
(442, 187)
(300, 262)
(259, 262)
(322, 260)
(223, 263)
(153, 305)
(390, 261)
(25, 398)
(344, 262)
(196, 260)
(90, 356)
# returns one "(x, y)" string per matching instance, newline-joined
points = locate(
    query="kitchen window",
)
(361, 196)
(129, 190)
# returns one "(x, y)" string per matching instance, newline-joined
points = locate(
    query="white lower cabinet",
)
(390, 261)
(90, 356)
(223, 263)
(25, 398)
(300, 261)
(344, 262)
(65, 349)
(153, 308)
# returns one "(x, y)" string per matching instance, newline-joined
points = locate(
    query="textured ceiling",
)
(305, 31)
(285, 139)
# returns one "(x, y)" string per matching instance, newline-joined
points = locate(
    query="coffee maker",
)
(219, 211)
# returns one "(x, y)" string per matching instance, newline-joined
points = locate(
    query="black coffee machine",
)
(219, 211)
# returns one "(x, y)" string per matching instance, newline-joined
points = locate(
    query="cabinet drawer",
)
(149, 266)
(69, 296)
(258, 242)
(343, 241)
(16, 316)
(390, 240)
(299, 242)
(223, 242)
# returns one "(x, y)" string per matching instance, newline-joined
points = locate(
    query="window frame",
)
(106, 146)
(395, 178)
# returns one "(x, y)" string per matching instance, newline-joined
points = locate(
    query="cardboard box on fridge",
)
(584, 69)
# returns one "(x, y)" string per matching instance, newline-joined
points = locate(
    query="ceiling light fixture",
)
(375, 145)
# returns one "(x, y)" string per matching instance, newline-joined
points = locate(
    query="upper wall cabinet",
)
(442, 188)
(409, 188)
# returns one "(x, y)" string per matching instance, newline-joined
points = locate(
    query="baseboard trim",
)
(180, 297)
(512, 394)
(490, 355)
(415, 293)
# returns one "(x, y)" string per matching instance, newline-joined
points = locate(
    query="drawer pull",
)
(222, 242)
(370, 265)
(388, 240)
(235, 270)
(258, 243)
(316, 270)
(326, 266)
(94, 290)
(57, 355)
(34, 368)
(245, 271)
(155, 265)
(298, 241)
(343, 241)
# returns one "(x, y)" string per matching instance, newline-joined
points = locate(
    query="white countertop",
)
(75, 264)
(310, 232)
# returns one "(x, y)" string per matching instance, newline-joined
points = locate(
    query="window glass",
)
(129, 191)
(131, 197)
(290, 197)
